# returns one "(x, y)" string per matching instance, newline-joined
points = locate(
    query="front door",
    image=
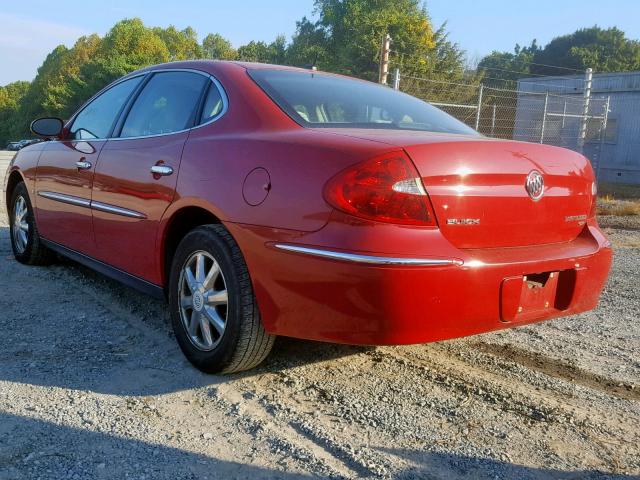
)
(66, 168)
(137, 173)
(63, 192)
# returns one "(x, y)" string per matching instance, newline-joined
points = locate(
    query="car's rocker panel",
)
(132, 281)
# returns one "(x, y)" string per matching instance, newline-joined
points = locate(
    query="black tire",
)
(34, 253)
(244, 342)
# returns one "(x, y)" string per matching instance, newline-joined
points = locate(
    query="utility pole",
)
(384, 59)
(584, 121)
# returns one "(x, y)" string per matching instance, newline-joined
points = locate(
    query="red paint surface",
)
(123, 178)
(57, 172)
(309, 297)
(256, 186)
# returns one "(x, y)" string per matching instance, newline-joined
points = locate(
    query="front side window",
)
(168, 103)
(97, 118)
(320, 100)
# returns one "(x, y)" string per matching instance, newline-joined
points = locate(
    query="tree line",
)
(345, 38)
(603, 50)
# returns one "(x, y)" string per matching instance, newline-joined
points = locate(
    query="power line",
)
(542, 84)
(528, 74)
(441, 81)
(525, 74)
(549, 66)
(546, 85)
(556, 66)
(571, 69)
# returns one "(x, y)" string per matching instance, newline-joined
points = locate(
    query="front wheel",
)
(25, 239)
(213, 309)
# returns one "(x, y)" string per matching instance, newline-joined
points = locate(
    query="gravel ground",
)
(92, 385)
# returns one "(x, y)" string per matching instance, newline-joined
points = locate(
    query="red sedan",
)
(264, 200)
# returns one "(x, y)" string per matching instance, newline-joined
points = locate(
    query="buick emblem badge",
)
(535, 185)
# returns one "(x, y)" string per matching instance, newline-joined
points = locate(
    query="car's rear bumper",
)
(307, 288)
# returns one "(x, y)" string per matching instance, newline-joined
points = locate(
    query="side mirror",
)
(47, 127)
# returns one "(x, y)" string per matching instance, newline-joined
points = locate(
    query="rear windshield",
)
(319, 100)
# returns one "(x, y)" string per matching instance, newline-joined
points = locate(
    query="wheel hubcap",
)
(20, 225)
(203, 300)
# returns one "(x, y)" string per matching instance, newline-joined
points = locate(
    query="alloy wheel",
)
(20, 225)
(203, 300)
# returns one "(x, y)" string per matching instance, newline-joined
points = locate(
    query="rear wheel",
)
(25, 239)
(213, 309)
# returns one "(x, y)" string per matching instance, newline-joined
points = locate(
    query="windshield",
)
(319, 100)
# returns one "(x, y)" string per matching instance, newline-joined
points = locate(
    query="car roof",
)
(269, 66)
(212, 65)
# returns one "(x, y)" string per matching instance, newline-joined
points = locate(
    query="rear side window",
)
(167, 103)
(319, 100)
(97, 118)
(213, 104)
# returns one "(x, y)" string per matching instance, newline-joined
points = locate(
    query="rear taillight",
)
(385, 189)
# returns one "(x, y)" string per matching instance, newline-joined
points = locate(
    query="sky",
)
(31, 29)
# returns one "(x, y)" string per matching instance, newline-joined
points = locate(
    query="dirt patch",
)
(560, 370)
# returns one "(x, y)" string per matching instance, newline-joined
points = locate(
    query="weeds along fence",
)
(570, 120)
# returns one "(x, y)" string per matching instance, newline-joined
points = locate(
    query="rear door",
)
(136, 177)
(66, 168)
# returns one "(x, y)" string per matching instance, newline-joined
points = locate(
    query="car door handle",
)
(83, 165)
(163, 170)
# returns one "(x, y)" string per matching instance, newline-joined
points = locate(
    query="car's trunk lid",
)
(480, 197)
(477, 187)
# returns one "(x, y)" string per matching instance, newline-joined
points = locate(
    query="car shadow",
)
(31, 447)
(83, 331)
(441, 465)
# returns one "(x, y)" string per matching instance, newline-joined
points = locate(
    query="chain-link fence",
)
(566, 120)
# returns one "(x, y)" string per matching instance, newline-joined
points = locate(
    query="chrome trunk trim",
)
(368, 259)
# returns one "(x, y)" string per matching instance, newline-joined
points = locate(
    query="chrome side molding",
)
(93, 205)
(68, 199)
(108, 208)
(368, 259)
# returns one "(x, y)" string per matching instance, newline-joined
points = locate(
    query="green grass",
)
(607, 205)
(618, 199)
(619, 191)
